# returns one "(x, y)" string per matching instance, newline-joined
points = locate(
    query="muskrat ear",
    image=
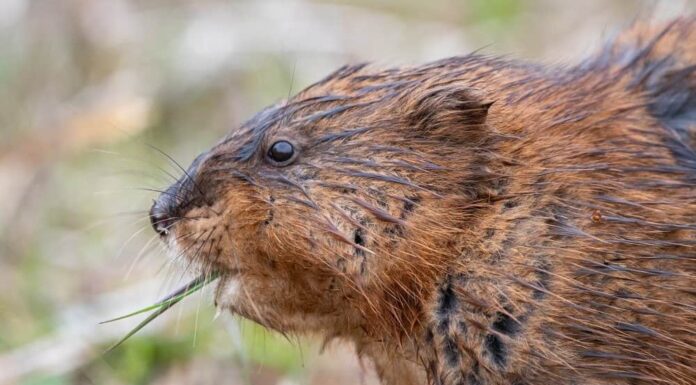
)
(452, 112)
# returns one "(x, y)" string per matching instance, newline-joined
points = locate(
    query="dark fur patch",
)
(625, 294)
(474, 377)
(447, 306)
(462, 327)
(496, 349)
(359, 239)
(410, 203)
(674, 99)
(429, 336)
(511, 203)
(395, 231)
(506, 325)
(473, 380)
(671, 90)
(451, 352)
(447, 301)
(269, 219)
(635, 328)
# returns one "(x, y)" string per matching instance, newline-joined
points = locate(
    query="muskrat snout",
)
(162, 215)
(168, 208)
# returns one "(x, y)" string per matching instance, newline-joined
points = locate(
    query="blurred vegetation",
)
(87, 85)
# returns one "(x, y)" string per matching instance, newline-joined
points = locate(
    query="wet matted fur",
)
(474, 220)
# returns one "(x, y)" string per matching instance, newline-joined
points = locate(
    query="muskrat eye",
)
(281, 151)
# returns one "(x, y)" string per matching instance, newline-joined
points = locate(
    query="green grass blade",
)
(162, 306)
(183, 292)
(144, 322)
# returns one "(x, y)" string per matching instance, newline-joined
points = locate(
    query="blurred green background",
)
(87, 85)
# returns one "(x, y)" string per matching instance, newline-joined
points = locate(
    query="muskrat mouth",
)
(166, 303)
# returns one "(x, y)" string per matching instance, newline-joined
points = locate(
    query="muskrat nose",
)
(167, 208)
(160, 218)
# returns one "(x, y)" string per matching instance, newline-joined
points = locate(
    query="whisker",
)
(137, 172)
(139, 256)
(135, 234)
(138, 160)
(170, 263)
(109, 218)
(196, 254)
(177, 196)
(143, 228)
(169, 174)
(206, 277)
(292, 78)
(180, 167)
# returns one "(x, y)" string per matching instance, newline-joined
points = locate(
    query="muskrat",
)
(474, 220)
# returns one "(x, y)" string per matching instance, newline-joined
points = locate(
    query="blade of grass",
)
(201, 280)
(180, 293)
(163, 306)
(142, 324)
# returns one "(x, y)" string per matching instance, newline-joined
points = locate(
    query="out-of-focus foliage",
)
(86, 85)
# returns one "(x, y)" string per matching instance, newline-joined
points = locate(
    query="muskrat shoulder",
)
(474, 220)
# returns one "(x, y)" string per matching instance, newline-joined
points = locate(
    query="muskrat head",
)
(329, 211)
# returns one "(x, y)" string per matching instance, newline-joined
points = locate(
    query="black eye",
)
(281, 151)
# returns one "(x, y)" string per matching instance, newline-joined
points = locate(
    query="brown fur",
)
(470, 221)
